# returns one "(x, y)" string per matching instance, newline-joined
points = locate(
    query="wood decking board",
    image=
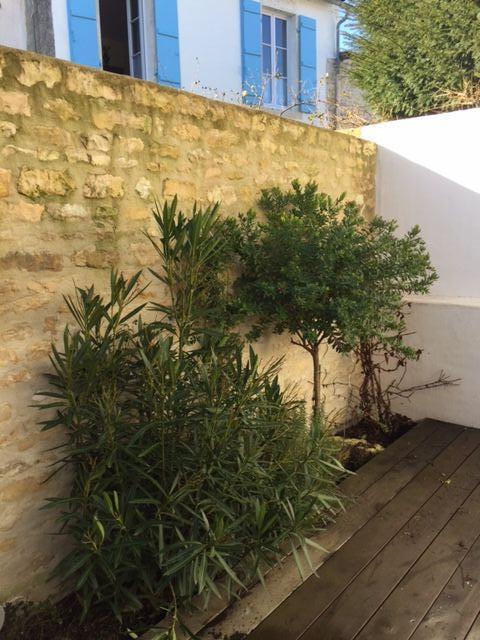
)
(344, 618)
(474, 633)
(422, 511)
(454, 611)
(428, 576)
(297, 612)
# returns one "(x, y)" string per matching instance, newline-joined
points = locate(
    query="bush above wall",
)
(416, 57)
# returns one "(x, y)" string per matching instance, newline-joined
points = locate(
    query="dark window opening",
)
(121, 24)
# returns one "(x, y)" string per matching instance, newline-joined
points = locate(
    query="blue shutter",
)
(168, 49)
(307, 28)
(83, 31)
(251, 51)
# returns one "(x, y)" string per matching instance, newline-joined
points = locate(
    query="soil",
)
(62, 621)
(373, 432)
(365, 439)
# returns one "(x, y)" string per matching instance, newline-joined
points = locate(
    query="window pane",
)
(280, 32)
(281, 63)
(267, 59)
(266, 29)
(281, 92)
(137, 66)
(267, 89)
(135, 37)
(133, 9)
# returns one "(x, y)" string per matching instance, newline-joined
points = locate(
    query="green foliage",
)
(409, 55)
(189, 462)
(397, 266)
(299, 273)
(319, 271)
(394, 266)
(301, 270)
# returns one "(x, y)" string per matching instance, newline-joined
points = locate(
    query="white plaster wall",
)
(210, 54)
(448, 331)
(13, 30)
(428, 173)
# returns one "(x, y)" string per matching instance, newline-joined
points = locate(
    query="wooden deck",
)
(407, 558)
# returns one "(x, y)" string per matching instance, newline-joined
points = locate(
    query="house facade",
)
(274, 53)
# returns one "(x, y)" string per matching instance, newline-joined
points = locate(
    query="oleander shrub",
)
(190, 463)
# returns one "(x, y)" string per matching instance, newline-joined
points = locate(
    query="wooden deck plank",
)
(456, 608)
(474, 633)
(404, 609)
(346, 616)
(376, 517)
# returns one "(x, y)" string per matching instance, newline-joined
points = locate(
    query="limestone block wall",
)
(82, 155)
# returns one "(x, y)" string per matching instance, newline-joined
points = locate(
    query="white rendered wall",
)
(429, 174)
(448, 331)
(13, 30)
(210, 54)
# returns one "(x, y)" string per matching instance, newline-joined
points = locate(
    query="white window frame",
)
(272, 14)
(141, 19)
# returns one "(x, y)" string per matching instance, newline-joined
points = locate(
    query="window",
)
(121, 27)
(135, 22)
(274, 60)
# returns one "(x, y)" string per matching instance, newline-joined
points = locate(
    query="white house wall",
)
(13, 30)
(428, 174)
(210, 53)
(210, 43)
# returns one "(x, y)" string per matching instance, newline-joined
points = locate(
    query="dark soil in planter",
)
(62, 621)
(375, 434)
(365, 439)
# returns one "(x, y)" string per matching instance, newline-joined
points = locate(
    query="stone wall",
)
(82, 153)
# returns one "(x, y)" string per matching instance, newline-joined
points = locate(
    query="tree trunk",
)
(317, 382)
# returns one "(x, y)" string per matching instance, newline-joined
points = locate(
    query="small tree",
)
(408, 56)
(300, 270)
(396, 266)
(319, 271)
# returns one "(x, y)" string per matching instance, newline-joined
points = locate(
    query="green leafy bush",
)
(189, 461)
(397, 266)
(412, 57)
(302, 270)
(316, 269)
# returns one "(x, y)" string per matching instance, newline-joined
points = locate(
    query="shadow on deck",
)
(407, 559)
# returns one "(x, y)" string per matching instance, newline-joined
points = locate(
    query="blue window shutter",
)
(251, 51)
(307, 28)
(168, 48)
(83, 32)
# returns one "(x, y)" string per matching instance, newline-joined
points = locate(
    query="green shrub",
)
(413, 57)
(316, 269)
(301, 270)
(189, 461)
